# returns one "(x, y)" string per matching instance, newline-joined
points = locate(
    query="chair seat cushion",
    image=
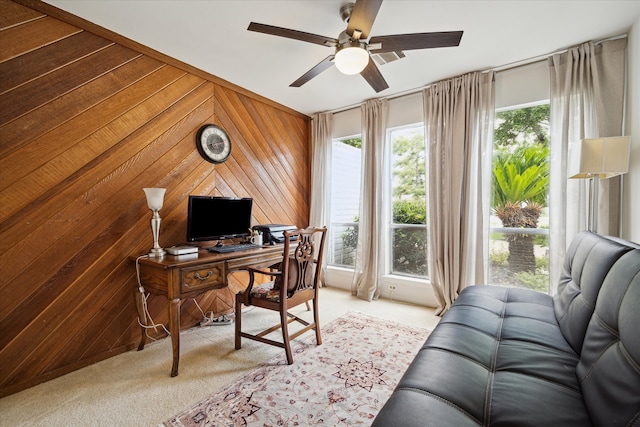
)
(266, 291)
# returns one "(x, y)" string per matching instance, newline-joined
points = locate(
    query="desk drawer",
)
(259, 260)
(204, 276)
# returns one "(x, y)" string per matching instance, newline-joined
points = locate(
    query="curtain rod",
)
(509, 66)
(539, 58)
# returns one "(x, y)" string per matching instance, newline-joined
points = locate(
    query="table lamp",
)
(155, 199)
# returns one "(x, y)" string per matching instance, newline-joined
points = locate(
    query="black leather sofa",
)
(515, 357)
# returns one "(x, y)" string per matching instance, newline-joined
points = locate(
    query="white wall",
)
(631, 196)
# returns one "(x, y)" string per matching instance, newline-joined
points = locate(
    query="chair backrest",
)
(300, 270)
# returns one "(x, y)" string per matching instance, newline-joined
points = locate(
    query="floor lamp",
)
(595, 159)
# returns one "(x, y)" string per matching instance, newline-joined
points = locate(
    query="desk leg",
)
(174, 328)
(139, 296)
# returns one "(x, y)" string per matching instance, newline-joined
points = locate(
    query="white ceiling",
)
(212, 35)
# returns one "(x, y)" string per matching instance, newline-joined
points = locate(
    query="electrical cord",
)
(210, 320)
(147, 315)
(205, 319)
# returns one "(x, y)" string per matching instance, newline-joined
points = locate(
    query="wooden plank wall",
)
(85, 124)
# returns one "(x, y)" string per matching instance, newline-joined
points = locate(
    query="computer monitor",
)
(218, 218)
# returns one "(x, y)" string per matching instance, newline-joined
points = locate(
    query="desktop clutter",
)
(268, 234)
(265, 234)
(272, 233)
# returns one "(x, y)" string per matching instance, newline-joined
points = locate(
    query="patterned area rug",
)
(344, 381)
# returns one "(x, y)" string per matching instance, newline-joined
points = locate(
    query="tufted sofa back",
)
(586, 264)
(609, 366)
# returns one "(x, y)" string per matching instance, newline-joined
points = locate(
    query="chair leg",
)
(316, 320)
(285, 336)
(307, 304)
(238, 321)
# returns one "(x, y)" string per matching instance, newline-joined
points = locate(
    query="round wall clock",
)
(213, 143)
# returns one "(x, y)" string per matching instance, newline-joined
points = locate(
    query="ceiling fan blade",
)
(323, 65)
(415, 41)
(362, 17)
(292, 34)
(373, 76)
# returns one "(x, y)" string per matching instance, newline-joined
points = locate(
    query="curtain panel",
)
(459, 117)
(367, 269)
(587, 101)
(320, 207)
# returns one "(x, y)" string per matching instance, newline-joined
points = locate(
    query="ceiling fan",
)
(352, 50)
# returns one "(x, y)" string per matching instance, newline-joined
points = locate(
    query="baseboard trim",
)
(406, 289)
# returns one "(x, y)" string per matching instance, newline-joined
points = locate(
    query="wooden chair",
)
(296, 281)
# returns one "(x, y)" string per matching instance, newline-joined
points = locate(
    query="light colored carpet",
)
(135, 389)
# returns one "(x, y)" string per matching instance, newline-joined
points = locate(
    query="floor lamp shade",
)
(599, 157)
(595, 159)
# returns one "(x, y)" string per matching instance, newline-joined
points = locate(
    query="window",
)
(406, 252)
(519, 221)
(408, 207)
(345, 200)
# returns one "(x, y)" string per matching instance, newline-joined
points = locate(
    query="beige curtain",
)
(320, 208)
(459, 115)
(587, 101)
(370, 226)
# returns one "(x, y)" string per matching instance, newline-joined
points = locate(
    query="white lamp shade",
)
(601, 157)
(351, 59)
(155, 197)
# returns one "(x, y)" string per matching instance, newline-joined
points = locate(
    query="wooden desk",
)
(177, 277)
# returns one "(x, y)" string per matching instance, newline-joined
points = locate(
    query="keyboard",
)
(233, 247)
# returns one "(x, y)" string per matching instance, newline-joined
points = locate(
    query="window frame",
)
(390, 279)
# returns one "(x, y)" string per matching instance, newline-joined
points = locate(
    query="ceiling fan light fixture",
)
(351, 58)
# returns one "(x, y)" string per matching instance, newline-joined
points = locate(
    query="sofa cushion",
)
(609, 367)
(494, 351)
(587, 261)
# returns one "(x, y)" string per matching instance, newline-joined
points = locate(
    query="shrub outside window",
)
(519, 239)
(408, 225)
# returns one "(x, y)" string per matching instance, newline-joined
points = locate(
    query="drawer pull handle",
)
(202, 279)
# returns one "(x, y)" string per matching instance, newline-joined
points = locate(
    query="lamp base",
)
(157, 252)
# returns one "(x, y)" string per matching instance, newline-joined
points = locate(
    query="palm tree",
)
(520, 185)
